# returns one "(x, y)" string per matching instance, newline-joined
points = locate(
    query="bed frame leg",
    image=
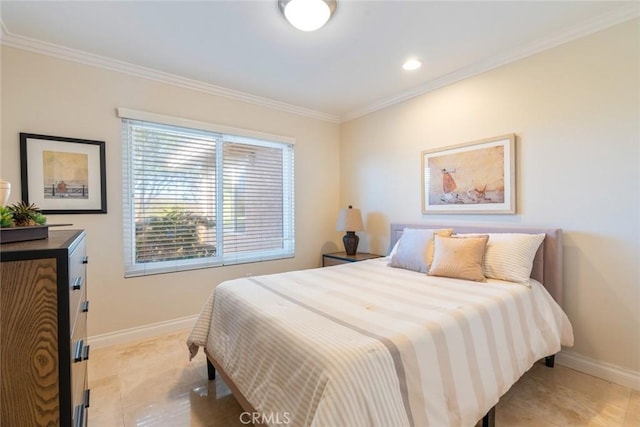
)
(489, 420)
(549, 361)
(211, 371)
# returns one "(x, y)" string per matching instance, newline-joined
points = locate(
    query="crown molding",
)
(583, 29)
(61, 52)
(618, 16)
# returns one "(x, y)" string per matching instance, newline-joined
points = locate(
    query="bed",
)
(375, 343)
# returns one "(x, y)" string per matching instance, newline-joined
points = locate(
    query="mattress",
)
(365, 344)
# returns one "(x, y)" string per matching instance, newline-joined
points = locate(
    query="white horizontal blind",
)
(195, 199)
(255, 226)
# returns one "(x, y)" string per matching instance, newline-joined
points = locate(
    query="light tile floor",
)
(152, 383)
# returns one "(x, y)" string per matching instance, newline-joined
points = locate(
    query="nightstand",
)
(336, 258)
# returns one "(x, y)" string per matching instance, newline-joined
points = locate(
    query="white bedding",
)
(364, 344)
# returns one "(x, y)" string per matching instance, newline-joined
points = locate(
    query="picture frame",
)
(478, 177)
(63, 175)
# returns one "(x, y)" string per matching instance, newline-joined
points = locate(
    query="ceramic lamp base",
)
(350, 241)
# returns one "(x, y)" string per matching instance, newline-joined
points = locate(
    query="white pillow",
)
(414, 249)
(509, 256)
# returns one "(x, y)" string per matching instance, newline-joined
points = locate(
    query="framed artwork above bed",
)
(472, 178)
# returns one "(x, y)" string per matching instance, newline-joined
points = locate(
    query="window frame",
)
(224, 135)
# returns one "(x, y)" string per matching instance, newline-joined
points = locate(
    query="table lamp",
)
(350, 220)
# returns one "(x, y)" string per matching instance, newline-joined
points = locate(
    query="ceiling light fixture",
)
(307, 15)
(412, 64)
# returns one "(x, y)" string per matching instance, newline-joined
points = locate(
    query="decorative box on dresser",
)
(43, 331)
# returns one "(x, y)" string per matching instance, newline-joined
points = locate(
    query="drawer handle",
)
(77, 354)
(87, 398)
(85, 353)
(85, 306)
(77, 283)
(80, 409)
(85, 259)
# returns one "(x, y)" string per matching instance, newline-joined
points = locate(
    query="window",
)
(196, 198)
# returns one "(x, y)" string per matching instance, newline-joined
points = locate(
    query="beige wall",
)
(42, 94)
(576, 112)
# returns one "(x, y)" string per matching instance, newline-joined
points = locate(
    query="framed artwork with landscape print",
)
(472, 178)
(63, 175)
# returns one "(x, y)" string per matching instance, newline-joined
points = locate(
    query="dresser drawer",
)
(79, 337)
(77, 281)
(78, 383)
(81, 307)
(79, 361)
(80, 392)
(79, 416)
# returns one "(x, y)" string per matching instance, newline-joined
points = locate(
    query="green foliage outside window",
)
(174, 235)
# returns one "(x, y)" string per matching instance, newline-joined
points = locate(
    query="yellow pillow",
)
(459, 257)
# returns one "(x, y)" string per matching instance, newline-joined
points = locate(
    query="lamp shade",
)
(349, 220)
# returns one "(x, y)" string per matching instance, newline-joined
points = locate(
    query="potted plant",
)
(6, 217)
(22, 221)
(27, 215)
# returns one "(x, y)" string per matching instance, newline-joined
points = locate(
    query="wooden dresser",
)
(43, 331)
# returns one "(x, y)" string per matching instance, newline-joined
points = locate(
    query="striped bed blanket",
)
(364, 344)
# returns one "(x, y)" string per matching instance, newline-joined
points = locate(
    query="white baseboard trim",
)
(600, 369)
(127, 336)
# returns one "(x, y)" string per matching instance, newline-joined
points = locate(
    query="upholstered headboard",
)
(547, 264)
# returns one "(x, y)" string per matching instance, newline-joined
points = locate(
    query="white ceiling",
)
(349, 67)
